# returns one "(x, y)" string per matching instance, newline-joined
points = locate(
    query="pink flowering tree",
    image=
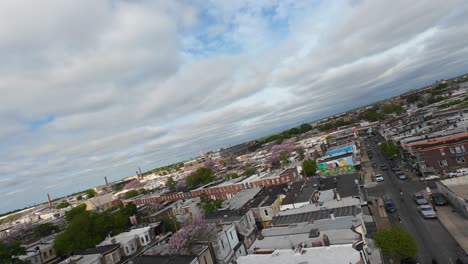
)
(192, 232)
(131, 185)
(280, 153)
(181, 185)
(211, 164)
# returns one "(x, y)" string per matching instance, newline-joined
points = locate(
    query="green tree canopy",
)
(79, 198)
(171, 184)
(300, 152)
(396, 242)
(209, 205)
(91, 193)
(389, 148)
(249, 171)
(75, 211)
(309, 167)
(85, 229)
(200, 176)
(131, 194)
(63, 204)
(8, 251)
(230, 176)
(45, 229)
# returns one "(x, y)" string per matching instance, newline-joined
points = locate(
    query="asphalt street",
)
(434, 241)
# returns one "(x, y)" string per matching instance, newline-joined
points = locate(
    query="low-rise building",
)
(102, 202)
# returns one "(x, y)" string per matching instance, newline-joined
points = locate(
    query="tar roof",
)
(267, 196)
(299, 192)
(315, 215)
(99, 250)
(225, 216)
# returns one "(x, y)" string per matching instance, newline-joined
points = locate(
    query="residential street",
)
(434, 241)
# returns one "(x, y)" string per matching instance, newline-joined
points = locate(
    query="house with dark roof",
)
(109, 254)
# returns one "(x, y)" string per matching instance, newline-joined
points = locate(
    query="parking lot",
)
(433, 239)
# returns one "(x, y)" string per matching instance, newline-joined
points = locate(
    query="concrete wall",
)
(457, 202)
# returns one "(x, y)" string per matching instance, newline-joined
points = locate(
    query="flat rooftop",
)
(267, 196)
(242, 197)
(337, 254)
(309, 217)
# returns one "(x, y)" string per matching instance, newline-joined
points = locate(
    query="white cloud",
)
(146, 83)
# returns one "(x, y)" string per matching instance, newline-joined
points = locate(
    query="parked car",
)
(379, 178)
(439, 199)
(419, 199)
(374, 164)
(426, 211)
(383, 167)
(462, 172)
(395, 169)
(430, 177)
(401, 175)
(389, 206)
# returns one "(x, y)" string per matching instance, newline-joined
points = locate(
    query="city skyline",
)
(97, 89)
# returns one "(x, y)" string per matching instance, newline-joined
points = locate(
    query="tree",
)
(143, 191)
(45, 229)
(231, 176)
(210, 164)
(8, 252)
(280, 152)
(62, 205)
(412, 99)
(193, 231)
(200, 176)
(90, 193)
(75, 211)
(389, 148)
(86, 229)
(300, 152)
(169, 224)
(209, 205)
(309, 167)
(170, 183)
(181, 185)
(131, 194)
(396, 242)
(249, 171)
(79, 198)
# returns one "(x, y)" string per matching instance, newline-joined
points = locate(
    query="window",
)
(50, 252)
(266, 212)
(461, 160)
(230, 232)
(452, 151)
(115, 256)
(147, 238)
(443, 163)
(222, 244)
(458, 150)
(126, 250)
(462, 148)
(44, 254)
(142, 240)
(442, 152)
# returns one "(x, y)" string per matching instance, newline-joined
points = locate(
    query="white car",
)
(462, 172)
(430, 177)
(379, 178)
(426, 211)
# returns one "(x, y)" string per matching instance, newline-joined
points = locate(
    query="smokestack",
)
(141, 174)
(50, 203)
(107, 183)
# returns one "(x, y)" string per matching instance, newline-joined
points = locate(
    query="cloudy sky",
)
(97, 88)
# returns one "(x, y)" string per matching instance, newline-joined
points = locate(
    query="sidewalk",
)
(378, 212)
(455, 224)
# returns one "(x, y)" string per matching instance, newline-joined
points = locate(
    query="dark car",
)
(374, 164)
(383, 167)
(439, 199)
(389, 206)
(395, 169)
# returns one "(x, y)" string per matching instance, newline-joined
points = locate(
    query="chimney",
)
(50, 203)
(107, 183)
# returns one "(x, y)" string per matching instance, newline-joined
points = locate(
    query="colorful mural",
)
(346, 161)
(337, 171)
(343, 150)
